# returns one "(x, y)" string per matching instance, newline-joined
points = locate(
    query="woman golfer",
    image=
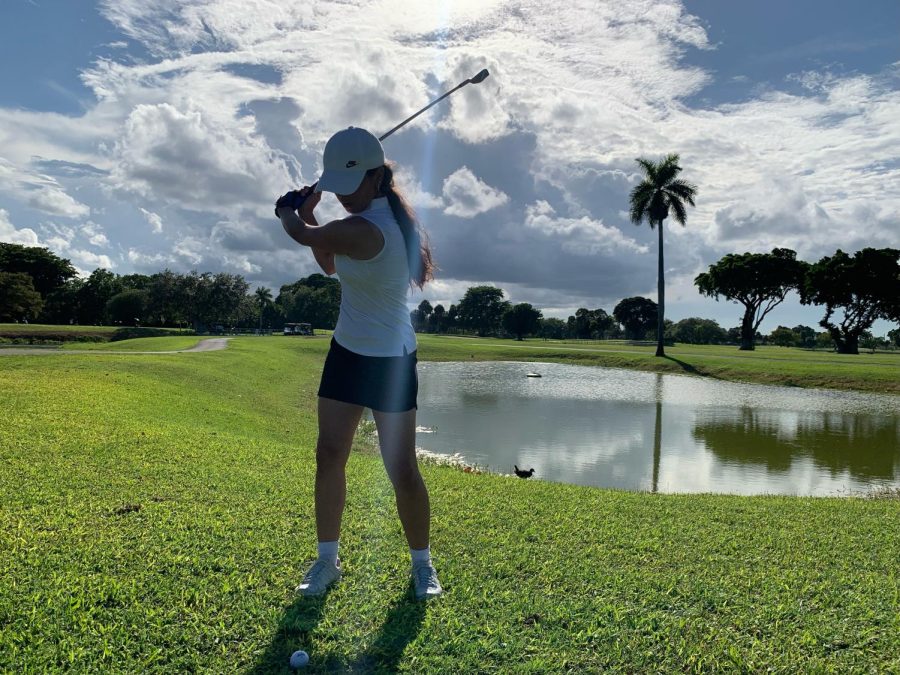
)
(377, 251)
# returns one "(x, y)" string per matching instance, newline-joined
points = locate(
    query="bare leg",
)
(397, 439)
(337, 425)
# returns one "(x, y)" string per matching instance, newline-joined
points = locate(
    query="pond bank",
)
(767, 365)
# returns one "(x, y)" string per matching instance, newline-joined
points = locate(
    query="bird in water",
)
(524, 474)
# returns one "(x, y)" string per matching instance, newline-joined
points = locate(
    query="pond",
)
(627, 429)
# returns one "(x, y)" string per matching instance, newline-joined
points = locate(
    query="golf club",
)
(480, 77)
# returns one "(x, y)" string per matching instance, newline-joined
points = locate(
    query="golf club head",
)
(480, 77)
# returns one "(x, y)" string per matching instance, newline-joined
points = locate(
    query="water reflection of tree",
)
(865, 446)
(657, 432)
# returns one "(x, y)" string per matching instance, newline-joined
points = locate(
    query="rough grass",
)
(157, 514)
(785, 366)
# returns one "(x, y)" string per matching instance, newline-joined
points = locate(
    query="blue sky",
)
(143, 134)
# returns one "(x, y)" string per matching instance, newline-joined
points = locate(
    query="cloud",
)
(94, 234)
(10, 234)
(87, 261)
(148, 262)
(476, 113)
(583, 236)
(154, 220)
(233, 236)
(39, 191)
(190, 249)
(64, 242)
(58, 167)
(417, 195)
(235, 101)
(184, 158)
(467, 196)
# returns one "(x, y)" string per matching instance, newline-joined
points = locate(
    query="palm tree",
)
(263, 299)
(651, 199)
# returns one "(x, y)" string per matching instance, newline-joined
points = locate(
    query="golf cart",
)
(298, 329)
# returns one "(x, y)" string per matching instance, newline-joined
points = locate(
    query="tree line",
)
(856, 290)
(37, 285)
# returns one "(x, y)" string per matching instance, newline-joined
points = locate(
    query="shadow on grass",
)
(298, 622)
(687, 367)
(400, 627)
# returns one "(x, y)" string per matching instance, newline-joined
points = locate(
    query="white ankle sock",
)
(420, 555)
(328, 550)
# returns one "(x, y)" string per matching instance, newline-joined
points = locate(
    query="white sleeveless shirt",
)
(374, 319)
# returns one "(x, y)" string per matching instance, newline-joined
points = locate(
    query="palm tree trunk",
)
(661, 297)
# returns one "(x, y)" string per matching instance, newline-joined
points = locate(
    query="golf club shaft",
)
(472, 80)
(477, 78)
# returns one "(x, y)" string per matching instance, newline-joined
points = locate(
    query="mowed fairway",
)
(157, 515)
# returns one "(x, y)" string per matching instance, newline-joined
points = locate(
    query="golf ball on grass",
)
(299, 659)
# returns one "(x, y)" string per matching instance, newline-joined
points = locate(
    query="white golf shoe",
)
(320, 576)
(426, 582)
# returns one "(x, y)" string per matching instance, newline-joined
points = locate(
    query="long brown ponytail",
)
(418, 250)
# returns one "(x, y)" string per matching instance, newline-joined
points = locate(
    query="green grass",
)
(157, 514)
(878, 372)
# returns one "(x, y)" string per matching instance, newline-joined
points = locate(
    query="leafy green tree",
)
(806, 336)
(521, 320)
(47, 270)
(660, 192)
(824, 340)
(315, 299)
(167, 301)
(420, 315)
(452, 321)
(552, 329)
(18, 297)
(437, 319)
(263, 298)
(697, 331)
(61, 305)
(758, 281)
(589, 324)
(864, 287)
(481, 309)
(783, 337)
(871, 342)
(127, 307)
(637, 315)
(214, 299)
(894, 337)
(94, 295)
(138, 282)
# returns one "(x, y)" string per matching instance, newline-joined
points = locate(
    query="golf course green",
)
(157, 513)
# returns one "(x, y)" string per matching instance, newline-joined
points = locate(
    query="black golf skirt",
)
(382, 383)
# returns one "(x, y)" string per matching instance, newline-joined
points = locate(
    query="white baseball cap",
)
(348, 155)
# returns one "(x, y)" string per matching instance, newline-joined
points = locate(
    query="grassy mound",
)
(38, 334)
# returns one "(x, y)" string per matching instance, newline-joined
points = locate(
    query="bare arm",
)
(354, 237)
(323, 257)
(325, 260)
